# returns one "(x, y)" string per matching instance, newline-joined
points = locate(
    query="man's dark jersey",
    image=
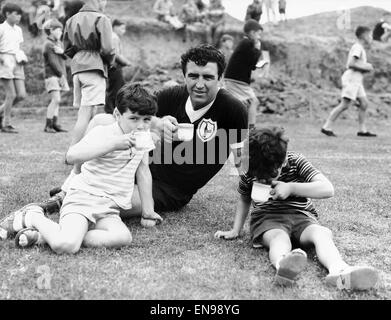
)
(189, 165)
(378, 31)
(243, 60)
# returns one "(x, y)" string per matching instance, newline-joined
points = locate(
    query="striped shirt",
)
(297, 169)
(111, 175)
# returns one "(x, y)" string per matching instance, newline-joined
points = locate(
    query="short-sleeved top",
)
(378, 31)
(10, 38)
(297, 169)
(357, 51)
(282, 4)
(111, 175)
(243, 60)
(189, 165)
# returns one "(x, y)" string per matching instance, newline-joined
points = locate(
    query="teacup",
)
(260, 192)
(143, 139)
(185, 131)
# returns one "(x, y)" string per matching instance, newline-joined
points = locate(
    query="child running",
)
(287, 213)
(12, 59)
(55, 73)
(352, 85)
(112, 158)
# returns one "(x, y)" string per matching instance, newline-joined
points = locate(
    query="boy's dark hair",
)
(134, 97)
(50, 25)
(267, 152)
(360, 30)
(203, 54)
(117, 22)
(11, 7)
(226, 37)
(251, 25)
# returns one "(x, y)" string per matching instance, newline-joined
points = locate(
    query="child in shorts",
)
(55, 73)
(12, 59)
(287, 213)
(353, 86)
(112, 160)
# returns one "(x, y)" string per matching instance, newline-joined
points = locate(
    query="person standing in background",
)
(254, 11)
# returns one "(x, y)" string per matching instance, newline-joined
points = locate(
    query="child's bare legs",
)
(341, 274)
(54, 104)
(15, 92)
(63, 237)
(326, 251)
(279, 244)
(109, 232)
(336, 112)
(362, 113)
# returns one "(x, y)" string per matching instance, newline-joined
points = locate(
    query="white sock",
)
(65, 186)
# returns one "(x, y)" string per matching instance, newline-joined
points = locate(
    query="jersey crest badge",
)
(206, 130)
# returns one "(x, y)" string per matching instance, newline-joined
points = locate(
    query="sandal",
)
(290, 266)
(28, 237)
(354, 278)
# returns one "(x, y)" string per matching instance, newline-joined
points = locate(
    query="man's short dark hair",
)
(203, 54)
(267, 152)
(117, 22)
(360, 30)
(134, 97)
(251, 25)
(11, 7)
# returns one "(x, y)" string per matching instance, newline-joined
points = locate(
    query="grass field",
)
(180, 259)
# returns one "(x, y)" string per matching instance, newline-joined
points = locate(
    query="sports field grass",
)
(180, 259)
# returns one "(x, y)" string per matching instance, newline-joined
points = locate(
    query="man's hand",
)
(170, 127)
(257, 44)
(227, 235)
(125, 141)
(58, 50)
(150, 219)
(280, 190)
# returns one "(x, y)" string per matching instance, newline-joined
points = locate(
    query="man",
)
(254, 11)
(220, 126)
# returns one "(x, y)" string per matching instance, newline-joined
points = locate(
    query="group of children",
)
(107, 159)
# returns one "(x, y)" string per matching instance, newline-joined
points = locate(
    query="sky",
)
(299, 8)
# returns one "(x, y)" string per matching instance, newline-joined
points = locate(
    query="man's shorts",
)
(292, 223)
(241, 90)
(9, 68)
(168, 198)
(56, 84)
(90, 206)
(89, 89)
(352, 89)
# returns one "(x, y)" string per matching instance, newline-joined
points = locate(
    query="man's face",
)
(255, 35)
(13, 17)
(130, 121)
(120, 30)
(367, 37)
(202, 83)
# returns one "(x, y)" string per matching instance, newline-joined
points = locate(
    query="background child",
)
(115, 76)
(290, 214)
(243, 60)
(226, 46)
(353, 85)
(90, 212)
(55, 73)
(12, 59)
(88, 42)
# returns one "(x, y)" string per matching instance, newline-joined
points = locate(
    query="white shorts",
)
(89, 89)
(241, 90)
(9, 68)
(352, 90)
(56, 84)
(90, 206)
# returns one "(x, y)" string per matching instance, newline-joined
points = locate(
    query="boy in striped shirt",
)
(288, 214)
(112, 159)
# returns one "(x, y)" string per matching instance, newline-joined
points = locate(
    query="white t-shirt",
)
(10, 38)
(356, 52)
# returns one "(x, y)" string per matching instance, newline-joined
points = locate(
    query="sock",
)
(65, 186)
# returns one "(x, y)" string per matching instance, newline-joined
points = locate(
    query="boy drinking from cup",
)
(290, 214)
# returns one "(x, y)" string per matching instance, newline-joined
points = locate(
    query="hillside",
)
(308, 56)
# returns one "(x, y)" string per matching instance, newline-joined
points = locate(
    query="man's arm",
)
(94, 145)
(242, 210)
(69, 49)
(121, 60)
(144, 183)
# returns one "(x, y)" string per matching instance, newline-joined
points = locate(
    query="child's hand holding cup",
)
(261, 192)
(143, 140)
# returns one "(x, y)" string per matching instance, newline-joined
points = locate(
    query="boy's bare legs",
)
(362, 114)
(336, 112)
(15, 92)
(279, 245)
(63, 237)
(340, 273)
(55, 98)
(109, 232)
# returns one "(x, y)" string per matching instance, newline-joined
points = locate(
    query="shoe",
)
(354, 278)
(26, 238)
(54, 191)
(56, 126)
(49, 126)
(290, 267)
(9, 129)
(328, 132)
(52, 205)
(366, 134)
